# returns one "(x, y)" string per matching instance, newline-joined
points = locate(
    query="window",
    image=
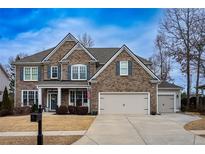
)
(78, 97)
(29, 97)
(79, 72)
(123, 67)
(54, 72)
(30, 73)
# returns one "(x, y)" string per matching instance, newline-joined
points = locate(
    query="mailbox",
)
(35, 117)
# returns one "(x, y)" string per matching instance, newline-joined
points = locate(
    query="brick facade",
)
(107, 81)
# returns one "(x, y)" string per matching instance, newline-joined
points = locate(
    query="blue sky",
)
(32, 30)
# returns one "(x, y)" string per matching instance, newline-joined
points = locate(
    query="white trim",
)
(52, 72)
(68, 37)
(82, 90)
(49, 100)
(30, 67)
(78, 65)
(170, 94)
(62, 86)
(121, 74)
(133, 56)
(171, 88)
(77, 46)
(157, 98)
(148, 98)
(27, 103)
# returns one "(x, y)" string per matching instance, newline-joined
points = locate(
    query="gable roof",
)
(68, 37)
(4, 71)
(101, 54)
(38, 57)
(125, 48)
(165, 84)
(104, 54)
(77, 46)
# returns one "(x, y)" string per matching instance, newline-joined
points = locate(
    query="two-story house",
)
(4, 78)
(107, 80)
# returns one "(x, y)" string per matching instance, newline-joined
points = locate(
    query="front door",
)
(53, 102)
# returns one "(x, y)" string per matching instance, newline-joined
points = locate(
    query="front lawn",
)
(196, 125)
(31, 140)
(50, 123)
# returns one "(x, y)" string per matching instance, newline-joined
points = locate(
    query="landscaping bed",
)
(196, 125)
(31, 140)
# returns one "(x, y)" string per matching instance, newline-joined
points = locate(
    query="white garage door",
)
(123, 103)
(166, 103)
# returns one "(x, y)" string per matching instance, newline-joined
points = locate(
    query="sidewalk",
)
(45, 133)
(198, 132)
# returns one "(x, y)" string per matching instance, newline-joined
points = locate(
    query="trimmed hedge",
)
(72, 109)
(5, 112)
(22, 110)
(62, 110)
(82, 110)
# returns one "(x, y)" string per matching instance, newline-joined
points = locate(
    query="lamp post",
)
(37, 117)
(40, 134)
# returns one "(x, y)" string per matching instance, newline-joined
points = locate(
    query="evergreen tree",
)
(6, 104)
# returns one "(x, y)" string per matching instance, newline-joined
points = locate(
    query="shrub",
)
(153, 113)
(7, 104)
(94, 112)
(34, 108)
(72, 109)
(22, 110)
(5, 112)
(82, 110)
(62, 110)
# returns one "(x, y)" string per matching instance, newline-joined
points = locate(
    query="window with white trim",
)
(79, 72)
(30, 73)
(54, 72)
(78, 97)
(123, 67)
(29, 97)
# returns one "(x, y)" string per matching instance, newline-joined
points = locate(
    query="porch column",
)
(59, 97)
(88, 99)
(39, 96)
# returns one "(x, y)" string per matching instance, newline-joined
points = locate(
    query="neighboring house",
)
(107, 80)
(4, 81)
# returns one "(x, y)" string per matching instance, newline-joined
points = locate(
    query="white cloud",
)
(138, 37)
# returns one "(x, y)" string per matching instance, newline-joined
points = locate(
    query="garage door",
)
(123, 103)
(166, 103)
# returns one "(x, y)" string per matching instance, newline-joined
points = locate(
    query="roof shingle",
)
(101, 54)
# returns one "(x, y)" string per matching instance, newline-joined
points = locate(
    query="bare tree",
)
(11, 70)
(86, 40)
(199, 48)
(178, 26)
(161, 60)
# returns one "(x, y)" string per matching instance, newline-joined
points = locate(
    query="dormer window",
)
(78, 72)
(54, 72)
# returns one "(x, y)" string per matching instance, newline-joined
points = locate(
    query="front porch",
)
(53, 96)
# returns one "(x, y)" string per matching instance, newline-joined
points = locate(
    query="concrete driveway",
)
(141, 129)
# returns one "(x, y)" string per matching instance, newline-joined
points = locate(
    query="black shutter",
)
(39, 73)
(49, 72)
(59, 71)
(69, 72)
(129, 67)
(88, 72)
(21, 73)
(117, 68)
